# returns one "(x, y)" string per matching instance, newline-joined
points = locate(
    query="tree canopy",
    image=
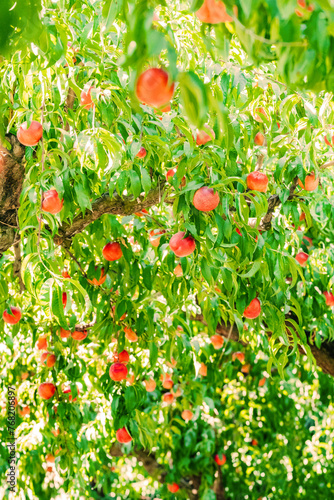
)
(167, 248)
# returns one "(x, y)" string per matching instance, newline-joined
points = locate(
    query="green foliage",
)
(268, 71)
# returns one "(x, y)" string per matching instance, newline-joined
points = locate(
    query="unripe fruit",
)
(77, 335)
(118, 372)
(203, 371)
(112, 251)
(150, 385)
(51, 202)
(217, 341)
(46, 390)
(48, 359)
(178, 271)
(187, 415)
(101, 280)
(130, 335)
(123, 436)
(30, 136)
(182, 246)
(238, 355)
(64, 334)
(168, 398)
(301, 258)
(257, 181)
(12, 317)
(205, 199)
(204, 136)
(154, 240)
(259, 139)
(329, 298)
(311, 182)
(220, 459)
(253, 310)
(213, 12)
(153, 87)
(173, 488)
(42, 342)
(141, 153)
(86, 99)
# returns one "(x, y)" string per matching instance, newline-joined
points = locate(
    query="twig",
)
(76, 260)
(43, 166)
(259, 163)
(327, 164)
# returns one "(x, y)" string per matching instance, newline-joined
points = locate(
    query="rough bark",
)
(107, 205)
(324, 357)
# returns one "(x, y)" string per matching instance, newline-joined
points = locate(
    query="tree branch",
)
(106, 205)
(324, 356)
(273, 203)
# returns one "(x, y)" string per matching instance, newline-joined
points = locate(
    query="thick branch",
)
(107, 205)
(324, 357)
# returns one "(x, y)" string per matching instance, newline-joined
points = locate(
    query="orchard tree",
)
(167, 248)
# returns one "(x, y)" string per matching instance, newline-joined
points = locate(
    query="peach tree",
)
(166, 248)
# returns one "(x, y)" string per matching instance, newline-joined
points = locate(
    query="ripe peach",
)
(51, 202)
(12, 315)
(329, 298)
(178, 271)
(173, 488)
(30, 136)
(262, 381)
(77, 335)
(217, 341)
(142, 213)
(302, 216)
(112, 251)
(24, 411)
(65, 274)
(123, 436)
(154, 240)
(48, 359)
(153, 87)
(141, 153)
(301, 258)
(42, 342)
(170, 174)
(220, 459)
(238, 355)
(168, 398)
(204, 136)
(205, 199)
(50, 458)
(259, 139)
(64, 333)
(86, 99)
(46, 390)
(246, 368)
(64, 299)
(167, 382)
(130, 380)
(122, 357)
(254, 442)
(24, 375)
(203, 371)
(130, 334)
(187, 415)
(182, 246)
(55, 432)
(311, 182)
(257, 181)
(118, 372)
(150, 385)
(253, 310)
(213, 12)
